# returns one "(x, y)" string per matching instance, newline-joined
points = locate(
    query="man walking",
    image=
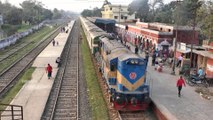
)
(180, 83)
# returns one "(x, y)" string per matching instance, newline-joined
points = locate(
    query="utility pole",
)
(193, 30)
(176, 38)
(192, 61)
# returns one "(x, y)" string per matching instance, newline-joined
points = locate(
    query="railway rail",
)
(63, 99)
(10, 75)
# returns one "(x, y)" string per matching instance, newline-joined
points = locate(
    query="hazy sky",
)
(75, 5)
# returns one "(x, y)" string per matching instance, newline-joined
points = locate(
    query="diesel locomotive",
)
(123, 71)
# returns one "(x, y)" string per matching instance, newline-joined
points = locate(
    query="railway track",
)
(15, 50)
(63, 100)
(132, 115)
(9, 76)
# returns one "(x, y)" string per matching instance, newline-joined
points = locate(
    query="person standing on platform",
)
(180, 83)
(53, 42)
(153, 58)
(58, 61)
(136, 49)
(49, 71)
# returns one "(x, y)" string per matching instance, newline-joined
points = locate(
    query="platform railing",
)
(11, 112)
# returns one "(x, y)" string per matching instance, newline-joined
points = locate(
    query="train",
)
(92, 33)
(123, 71)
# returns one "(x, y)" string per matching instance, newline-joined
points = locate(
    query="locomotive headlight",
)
(136, 61)
(132, 61)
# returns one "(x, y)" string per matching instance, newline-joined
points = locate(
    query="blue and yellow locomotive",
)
(125, 74)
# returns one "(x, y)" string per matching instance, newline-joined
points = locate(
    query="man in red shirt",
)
(180, 83)
(49, 71)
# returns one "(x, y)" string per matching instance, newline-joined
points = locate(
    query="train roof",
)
(98, 20)
(127, 56)
(94, 30)
(117, 50)
(111, 44)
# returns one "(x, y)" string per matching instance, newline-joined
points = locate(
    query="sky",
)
(75, 5)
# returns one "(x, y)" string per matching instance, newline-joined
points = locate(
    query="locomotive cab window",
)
(134, 62)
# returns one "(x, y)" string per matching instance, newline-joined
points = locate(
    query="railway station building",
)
(119, 13)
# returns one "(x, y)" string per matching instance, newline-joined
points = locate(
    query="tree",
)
(165, 14)
(14, 16)
(205, 19)
(87, 13)
(29, 11)
(153, 6)
(47, 14)
(96, 12)
(34, 12)
(56, 14)
(188, 12)
(141, 7)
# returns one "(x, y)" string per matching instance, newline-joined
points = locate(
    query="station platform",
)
(164, 94)
(34, 94)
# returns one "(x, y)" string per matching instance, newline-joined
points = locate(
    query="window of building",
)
(110, 8)
(115, 17)
(125, 17)
(161, 29)
(169, 30)
(122, 17)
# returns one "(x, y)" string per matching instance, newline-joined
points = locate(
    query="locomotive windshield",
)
(135, 62)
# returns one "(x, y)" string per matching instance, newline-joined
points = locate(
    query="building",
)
(119, 13)
(184, 33)
(157, 34)
(205, 59)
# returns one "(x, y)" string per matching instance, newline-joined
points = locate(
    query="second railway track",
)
(12, 74)
(63, 100)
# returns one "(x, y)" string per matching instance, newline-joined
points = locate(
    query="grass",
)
(34, 39)
(14, 91)
(23, 27)
(96, 100)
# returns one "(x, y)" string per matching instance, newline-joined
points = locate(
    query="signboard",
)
(183, 46)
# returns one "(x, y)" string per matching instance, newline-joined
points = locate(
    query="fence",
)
(12, 112)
